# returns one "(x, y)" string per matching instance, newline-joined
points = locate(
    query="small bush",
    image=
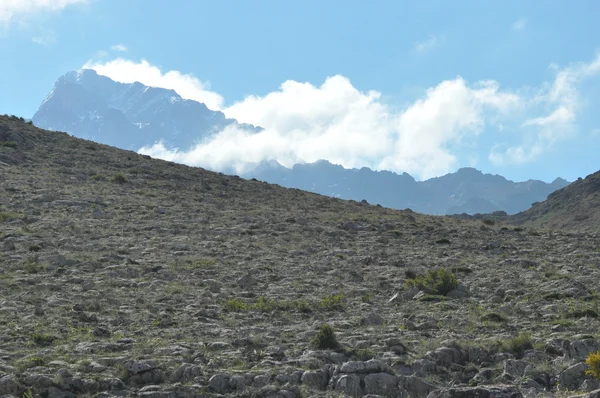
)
(119, 179)
(325, 338)
(488, 221)
(235, 305)
(4, 216)
(42, 339)
(440, 281)
(8, 144)
(493, 317)
(515, 345)
(443, 241)
(593, 362)
(333, 302)
(410, 274)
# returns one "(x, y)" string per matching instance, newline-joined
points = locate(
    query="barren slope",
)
(121, 274)
(575, 207)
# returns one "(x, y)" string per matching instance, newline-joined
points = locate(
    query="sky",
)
(424, 87)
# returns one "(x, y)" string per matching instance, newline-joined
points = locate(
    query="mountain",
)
(575, 207)
(466, 191)
(127, 276)
(128, 116)
(131, 116)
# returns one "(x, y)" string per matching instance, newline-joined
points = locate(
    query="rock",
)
(445, 356)
(219, 383)
(415, 386)
(424, 367)
(514, 368)
(315, 379)
(54, 392)
(372, 319)
(370, 366)
(579, 350)
(381, 384)
(572, 377)
(349, 384)
(261, 381)
(237, 383)
(185, 373)
(10, 386)
(459, 292)
(497, 391)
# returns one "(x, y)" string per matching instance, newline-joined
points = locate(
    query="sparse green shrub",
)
(35, 248)
(235, 305)
(5, 216)
(515, 345)
(440, 281)
(443, 241)
(325, 338)
(333, 302)
(593, 362)
(410, 274)
(362, 354)
(8, 144)
(98, 177)
(119, 179)
(493, 317)
(488, 221)
(42, 339)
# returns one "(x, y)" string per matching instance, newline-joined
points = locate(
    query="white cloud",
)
(119, 47)
(427, 44)
(339, 123)
(46, 38)
(519, 24)
(9, 9)
(561, 102)
(186, 85)
(335, 121)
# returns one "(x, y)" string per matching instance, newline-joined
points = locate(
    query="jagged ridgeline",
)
(124, 275)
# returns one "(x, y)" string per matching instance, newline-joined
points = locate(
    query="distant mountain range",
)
(466, 191)
(131, 116)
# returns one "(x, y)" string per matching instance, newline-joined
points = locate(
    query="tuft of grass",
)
(515, 345)
(440, 281)
(326, 338)
(119, 179)
(8, 144)
(6, 216)
(493, 317)
(333, 302)
(42, 339)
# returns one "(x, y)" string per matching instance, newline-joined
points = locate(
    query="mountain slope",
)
(575, 207)
(122, 275)
(128, 116)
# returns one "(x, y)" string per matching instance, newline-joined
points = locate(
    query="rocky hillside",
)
(122, 275)
(575, 208)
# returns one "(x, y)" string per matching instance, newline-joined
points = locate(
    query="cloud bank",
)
(10, 9)
(304, 122)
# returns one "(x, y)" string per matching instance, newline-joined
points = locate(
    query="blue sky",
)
(509, 87)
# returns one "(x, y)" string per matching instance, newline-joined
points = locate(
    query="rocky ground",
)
(122, 275)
